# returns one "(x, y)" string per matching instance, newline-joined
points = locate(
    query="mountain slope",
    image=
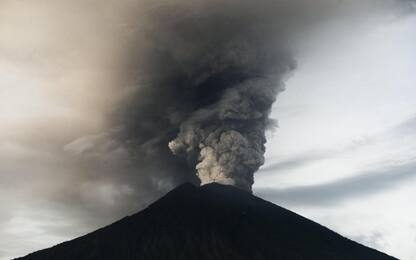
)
(211, 222)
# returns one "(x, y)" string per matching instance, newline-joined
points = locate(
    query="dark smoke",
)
(202, 77)
(207, 79)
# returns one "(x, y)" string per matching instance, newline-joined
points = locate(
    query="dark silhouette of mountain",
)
(211, 222)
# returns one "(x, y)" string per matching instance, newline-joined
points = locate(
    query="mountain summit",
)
(211, 222)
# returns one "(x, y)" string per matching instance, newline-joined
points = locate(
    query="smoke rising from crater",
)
(203, 76)
(209, 76)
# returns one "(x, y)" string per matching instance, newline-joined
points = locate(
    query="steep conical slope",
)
(211, 222)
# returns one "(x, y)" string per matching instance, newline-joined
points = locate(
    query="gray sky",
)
(345, 150)
(344, 153)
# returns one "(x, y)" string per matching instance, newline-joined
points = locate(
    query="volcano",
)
(211, 222)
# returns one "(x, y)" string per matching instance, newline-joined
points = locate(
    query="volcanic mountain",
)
(211, 222)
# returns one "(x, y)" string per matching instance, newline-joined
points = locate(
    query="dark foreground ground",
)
(211, 222)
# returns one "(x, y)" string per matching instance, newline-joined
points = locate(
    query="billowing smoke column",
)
(203, 76)
(223, 136)
(208, 76)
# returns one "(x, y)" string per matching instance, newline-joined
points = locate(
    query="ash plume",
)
(202, 78)
(209, 77)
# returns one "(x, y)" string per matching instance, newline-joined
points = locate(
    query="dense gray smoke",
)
(230, 88)
(203, 76)
(226, 139)
(208, 78)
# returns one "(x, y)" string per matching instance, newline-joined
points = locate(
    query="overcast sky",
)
(345, 150)
(344, 153)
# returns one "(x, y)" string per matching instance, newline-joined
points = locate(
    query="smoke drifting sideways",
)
(202, 77)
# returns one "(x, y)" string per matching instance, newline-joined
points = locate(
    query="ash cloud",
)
(201, 80)
(206, 77)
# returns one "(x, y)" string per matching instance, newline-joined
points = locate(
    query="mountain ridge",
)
(213, 221)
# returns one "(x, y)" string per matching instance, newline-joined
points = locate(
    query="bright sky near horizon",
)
(345, 150)
(344, 153)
